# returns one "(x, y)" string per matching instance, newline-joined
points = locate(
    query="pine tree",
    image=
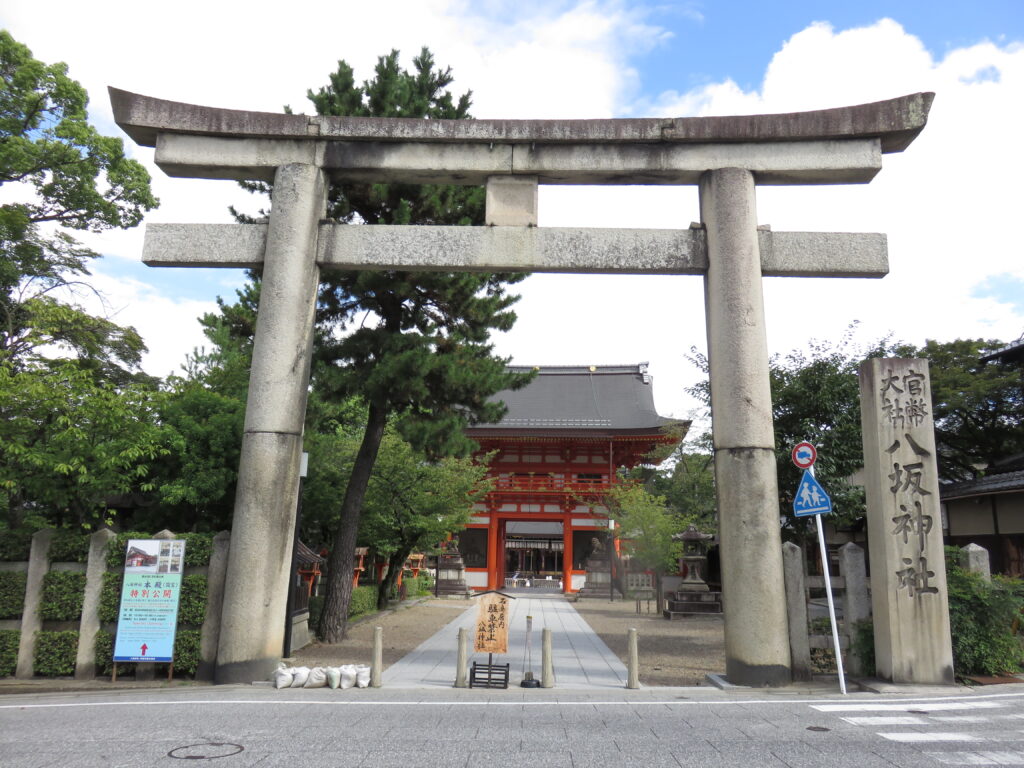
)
(413, 345)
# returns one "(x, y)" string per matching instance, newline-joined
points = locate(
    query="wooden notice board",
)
(492, 624)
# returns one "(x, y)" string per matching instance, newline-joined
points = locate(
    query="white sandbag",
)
(362, 675)
(348, 675)
(282, 677)
(301, 675)
(317, 678)
(333, 676)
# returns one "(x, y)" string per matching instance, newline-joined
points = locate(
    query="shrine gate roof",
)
(573, 399)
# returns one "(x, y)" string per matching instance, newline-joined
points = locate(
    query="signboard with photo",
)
(149, 600)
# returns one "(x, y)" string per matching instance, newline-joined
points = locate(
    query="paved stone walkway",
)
(581, 659)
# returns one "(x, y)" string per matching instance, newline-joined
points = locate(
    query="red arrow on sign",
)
(144, 647)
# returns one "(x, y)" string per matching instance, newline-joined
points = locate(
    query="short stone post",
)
(210, 632)
(908, 570)
(31, 623)
(796, 607)
(754, 593)
(89, 626)
(462, 659)
(259, 565)
(377, 666)
(547, 666)
(633, 679)
(856, 600)
(974, 558)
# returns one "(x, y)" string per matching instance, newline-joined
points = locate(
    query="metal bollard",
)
(462, 659)
(377, 666)
(634, 661)
(547, 667)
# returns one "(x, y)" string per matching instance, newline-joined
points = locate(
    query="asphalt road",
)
(233, 726)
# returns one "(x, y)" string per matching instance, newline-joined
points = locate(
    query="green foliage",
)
(63, 594)
(687, 483)
(197, 481)
(55, 653)
(862, 645)
(12, 593)
(192, 606)
(978, 407)
(982, 617)
(110, 596)
(16, 544)
(65, 176)
(645, 527)
(104, 654)
(9, 641)
(69, 442)
(68, 546)
(364, 600)
(412, 502)
(198, 548)
(187, 651)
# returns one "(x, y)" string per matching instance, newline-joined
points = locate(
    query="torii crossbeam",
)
(726, 156)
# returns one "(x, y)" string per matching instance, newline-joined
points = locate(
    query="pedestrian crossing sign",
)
(810, 498)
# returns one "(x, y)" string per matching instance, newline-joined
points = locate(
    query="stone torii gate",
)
(726, 156)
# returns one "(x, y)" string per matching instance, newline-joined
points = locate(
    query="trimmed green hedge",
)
(69, 547)
(9, 639)
(982, 616)
(63, 594)
(110, 596)
(192, 607)
(16, 544)
(12, 593)
(364, 600)
(55, 653)
(104, 655)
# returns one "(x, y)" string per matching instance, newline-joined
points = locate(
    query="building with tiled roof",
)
(557, 450)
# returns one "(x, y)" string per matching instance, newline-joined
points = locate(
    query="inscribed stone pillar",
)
(908, 573)
(259, 559)
(756, 628)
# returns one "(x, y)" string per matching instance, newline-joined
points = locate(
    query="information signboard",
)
(149, 600)
(492, 624)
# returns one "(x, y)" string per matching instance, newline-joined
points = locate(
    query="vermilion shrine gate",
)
(726, 156)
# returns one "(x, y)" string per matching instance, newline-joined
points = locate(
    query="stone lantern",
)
(693, 562)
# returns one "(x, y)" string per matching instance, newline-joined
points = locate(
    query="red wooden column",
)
(567, 553)
(493, 547)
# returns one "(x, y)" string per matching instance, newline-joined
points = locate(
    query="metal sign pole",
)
(828, 594)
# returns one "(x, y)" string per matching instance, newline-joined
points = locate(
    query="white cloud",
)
(950, 204)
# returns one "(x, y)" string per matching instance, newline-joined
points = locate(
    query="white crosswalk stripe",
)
(931, 706)
(978, 758)
(988, 722)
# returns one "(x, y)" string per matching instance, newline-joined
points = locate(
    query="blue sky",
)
(950, 205)
(736, 38)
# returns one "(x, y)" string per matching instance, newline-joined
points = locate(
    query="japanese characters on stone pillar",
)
(908, 573)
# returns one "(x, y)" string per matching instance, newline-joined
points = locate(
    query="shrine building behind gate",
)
(557, 450)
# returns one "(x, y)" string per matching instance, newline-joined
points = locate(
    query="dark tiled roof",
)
(1003, 482)
(1012, 352)
(582, 398)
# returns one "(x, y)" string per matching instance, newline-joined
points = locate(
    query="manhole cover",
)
(205, 751)
(817, 728)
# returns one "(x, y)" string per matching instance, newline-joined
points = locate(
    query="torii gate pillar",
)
(744, 440)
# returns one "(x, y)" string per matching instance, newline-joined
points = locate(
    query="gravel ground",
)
(678, 652)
